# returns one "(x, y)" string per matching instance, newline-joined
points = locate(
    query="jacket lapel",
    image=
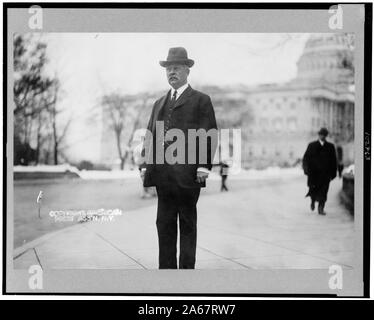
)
(181, 100)
(160, 106)
(184, 97)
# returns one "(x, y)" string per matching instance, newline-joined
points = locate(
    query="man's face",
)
(177, 75)
(322, 137)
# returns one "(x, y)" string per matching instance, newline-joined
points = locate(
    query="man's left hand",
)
(201, 176)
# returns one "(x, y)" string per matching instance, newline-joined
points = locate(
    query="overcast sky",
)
(89, 65)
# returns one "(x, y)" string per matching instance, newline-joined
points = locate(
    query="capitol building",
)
(277, 121)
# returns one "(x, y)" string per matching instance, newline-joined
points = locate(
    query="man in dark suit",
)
(178, 182)
(320, 165)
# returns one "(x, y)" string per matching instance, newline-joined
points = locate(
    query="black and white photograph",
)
(195, 153)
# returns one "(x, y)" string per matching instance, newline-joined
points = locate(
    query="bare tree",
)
(30, 83)
(35, 95)
(124, 113)
(59, 130)
(114, 105)
(137, 119)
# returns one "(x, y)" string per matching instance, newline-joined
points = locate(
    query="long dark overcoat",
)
(320, 165)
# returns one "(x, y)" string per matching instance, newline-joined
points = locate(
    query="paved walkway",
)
(268, 226)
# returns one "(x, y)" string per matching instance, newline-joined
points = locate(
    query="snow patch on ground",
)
(114, 174)
(251, 174)
(46, 168)
(255, 174)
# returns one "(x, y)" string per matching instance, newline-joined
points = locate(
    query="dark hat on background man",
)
(323, 132)
(177, 55)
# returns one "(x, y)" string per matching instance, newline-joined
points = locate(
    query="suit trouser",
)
(175, 202)
(223, 183)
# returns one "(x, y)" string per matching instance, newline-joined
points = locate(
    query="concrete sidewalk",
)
(270, 226)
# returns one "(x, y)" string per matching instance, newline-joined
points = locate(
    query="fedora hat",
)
(177, 55)
(323, 132)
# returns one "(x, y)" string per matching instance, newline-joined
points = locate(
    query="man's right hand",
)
(142, 174)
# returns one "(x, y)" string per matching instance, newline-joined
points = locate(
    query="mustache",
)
(173, 77)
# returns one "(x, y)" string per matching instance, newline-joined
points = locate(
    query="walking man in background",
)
(178, 184)
(223, 171)
(320, 165)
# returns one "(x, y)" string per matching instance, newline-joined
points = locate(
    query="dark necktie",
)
(168, 118)
(174, 98)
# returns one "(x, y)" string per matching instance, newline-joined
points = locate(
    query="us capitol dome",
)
(286, 117)
(327, 58)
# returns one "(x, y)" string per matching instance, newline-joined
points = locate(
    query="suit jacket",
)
(320, 163)
(192, 110)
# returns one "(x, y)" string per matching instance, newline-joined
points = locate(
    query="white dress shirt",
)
(180, 90)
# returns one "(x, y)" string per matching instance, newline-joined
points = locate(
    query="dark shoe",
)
(321, 210)
(312, 206)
